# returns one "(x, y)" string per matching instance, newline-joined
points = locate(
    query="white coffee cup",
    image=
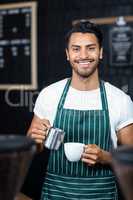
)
(73, 151)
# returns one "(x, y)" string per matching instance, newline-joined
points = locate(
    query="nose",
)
(84, 53)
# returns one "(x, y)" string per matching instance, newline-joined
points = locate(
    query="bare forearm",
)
(106, 157)
(21, 196)
(94, 155)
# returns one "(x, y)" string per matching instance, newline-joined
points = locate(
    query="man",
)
(90, 111)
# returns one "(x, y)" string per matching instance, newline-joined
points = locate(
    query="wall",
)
(54, 18)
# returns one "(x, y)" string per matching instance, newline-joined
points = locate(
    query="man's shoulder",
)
(118, 100)
(113, 90)
(57, 84)
(54, 87)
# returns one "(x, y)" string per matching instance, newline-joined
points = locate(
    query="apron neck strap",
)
(103, 95)
(102, 92)
(63, 96)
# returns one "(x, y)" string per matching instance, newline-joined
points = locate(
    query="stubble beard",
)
(85, 73)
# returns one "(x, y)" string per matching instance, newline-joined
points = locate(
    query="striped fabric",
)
(66, 187)
(76, 180)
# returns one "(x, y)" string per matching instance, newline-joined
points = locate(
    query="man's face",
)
(83, 53)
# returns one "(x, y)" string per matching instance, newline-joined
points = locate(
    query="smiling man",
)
(84, 53)
(90, 111)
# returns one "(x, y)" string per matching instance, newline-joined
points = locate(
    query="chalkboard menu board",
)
(121, 43)
(18, 56)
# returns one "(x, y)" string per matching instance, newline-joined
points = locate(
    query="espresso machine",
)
(16, 153)
(123, 168)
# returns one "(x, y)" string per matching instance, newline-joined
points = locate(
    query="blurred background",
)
(32, 50)
(52, 20)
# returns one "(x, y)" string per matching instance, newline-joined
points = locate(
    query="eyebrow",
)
(89, 45)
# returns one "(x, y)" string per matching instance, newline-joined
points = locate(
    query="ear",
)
(67, 54)
(101, 53)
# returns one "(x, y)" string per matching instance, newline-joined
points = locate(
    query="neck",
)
(85, 84)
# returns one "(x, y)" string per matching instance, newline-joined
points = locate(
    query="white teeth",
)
(84, 63)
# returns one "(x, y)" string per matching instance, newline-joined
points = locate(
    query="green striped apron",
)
(76, 180)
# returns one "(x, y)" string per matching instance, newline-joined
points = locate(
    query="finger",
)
(92, 146)
(39, 141)
(46, 123)
(38, 132)
(37, 136)
(88, 161)
(45, 128)
(89, 145)
(92, 150)
(40, 126)
(90, 156)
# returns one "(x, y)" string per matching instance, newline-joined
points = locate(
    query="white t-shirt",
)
(119, 104)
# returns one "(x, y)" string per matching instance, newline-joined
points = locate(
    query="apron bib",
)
(76, 180)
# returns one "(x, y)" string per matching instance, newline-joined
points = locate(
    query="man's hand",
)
(93, 155)
(38, 129)
(21, 196)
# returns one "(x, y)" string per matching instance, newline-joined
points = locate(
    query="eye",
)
(91, 48)
(75, 49)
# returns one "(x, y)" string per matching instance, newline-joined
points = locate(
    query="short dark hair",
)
(85, 26)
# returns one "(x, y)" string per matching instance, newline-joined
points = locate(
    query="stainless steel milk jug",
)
(54, 138)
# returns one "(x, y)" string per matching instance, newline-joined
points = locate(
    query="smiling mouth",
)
(85, 63)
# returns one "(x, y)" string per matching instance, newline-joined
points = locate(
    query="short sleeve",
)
(40, 104)
(47, 101)
(126, 112)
